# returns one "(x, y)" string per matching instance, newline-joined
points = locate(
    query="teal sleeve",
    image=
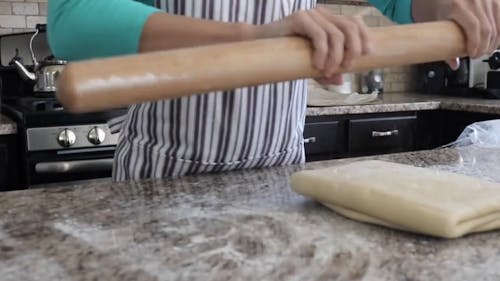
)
(84, 29)
(399, 11)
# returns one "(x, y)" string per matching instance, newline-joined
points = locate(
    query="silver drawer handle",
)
(64, 167)
(310, 140)
(376, 134)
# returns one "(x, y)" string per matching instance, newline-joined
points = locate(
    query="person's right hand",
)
(479, 19)
(337, 40)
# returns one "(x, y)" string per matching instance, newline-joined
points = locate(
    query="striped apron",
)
(251, 127)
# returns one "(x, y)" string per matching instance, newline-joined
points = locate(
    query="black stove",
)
(54, 145)
(40, 112)
(57, 146)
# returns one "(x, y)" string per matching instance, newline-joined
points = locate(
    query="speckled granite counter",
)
(244, 225)
(396, 102)
(7, 126)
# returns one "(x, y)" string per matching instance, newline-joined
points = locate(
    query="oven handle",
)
(64, 167)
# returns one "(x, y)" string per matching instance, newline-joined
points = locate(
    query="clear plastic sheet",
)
(478, 148)
(482, 134)
(476, 162)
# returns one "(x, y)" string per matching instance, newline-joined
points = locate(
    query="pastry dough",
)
(405, 197)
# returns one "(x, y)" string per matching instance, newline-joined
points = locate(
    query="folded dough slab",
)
(405, 197)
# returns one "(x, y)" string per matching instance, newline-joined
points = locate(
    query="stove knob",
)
(96, 135)
(66, 138)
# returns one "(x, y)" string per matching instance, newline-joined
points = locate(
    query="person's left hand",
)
(479, 19)
(337, 79)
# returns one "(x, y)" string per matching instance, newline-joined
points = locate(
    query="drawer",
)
(382, 135)
(322, 138)
(3, 165)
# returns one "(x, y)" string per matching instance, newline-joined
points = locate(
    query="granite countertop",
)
(7, 126)
(243, 225)
(395, 102)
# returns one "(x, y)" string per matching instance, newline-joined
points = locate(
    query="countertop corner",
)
(410, 101)
(242, 225)
(7, 126)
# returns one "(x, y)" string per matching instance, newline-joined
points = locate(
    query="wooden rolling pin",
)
(103, 84)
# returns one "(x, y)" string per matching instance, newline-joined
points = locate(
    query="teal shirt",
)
(398, 10)
(84, 29)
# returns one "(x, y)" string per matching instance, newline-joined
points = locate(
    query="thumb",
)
(334, 80)
(454, 63)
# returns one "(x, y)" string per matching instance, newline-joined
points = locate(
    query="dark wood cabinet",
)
(429, 129)
(339, 136)
(342, 136)
(9, 163)
(323, 137)
(381, 135)
(4, 156)
(442, 127)
(453, 123)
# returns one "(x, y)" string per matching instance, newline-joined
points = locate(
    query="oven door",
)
(69, 165)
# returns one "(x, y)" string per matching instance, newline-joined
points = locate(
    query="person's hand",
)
(479, 19)
(337, 40)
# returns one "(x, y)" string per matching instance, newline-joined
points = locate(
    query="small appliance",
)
(476, 77)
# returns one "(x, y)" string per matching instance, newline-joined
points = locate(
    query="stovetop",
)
(32, 112)
(35, 109)
(41, 109)
(37, 104)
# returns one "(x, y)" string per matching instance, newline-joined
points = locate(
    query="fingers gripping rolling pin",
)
(103, 84)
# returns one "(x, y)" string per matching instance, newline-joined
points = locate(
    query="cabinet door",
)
(3, 164)
(429, 129)
(382, 135)
(322, 138)
(9, 164)
(453, 123)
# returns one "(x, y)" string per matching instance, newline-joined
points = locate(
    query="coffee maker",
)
(479, 78)
(493, 75)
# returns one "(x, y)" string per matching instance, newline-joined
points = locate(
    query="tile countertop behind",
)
(244, 225)
(7, 126)
(395, 102)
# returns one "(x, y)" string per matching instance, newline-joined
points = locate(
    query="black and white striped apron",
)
(247, 128)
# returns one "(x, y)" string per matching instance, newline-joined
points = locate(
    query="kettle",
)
(45, 72)
(372, 81)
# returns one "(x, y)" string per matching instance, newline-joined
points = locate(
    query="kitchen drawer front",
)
(3, 165)
(322, 138)
(382, 135)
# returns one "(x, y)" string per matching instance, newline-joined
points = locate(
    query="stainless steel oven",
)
(53, 144)
(57, 154)
(57, 146)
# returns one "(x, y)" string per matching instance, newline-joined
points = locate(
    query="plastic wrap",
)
(484, 134)
(478, 147)
(474, 161)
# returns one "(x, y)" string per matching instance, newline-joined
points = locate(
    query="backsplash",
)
(21, 15)
(396, 79)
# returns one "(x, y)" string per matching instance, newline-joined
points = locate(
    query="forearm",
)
(165, 31)
(479, 19)
(95, 28)
(427, 10)
(86, 29)
(399, 11)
